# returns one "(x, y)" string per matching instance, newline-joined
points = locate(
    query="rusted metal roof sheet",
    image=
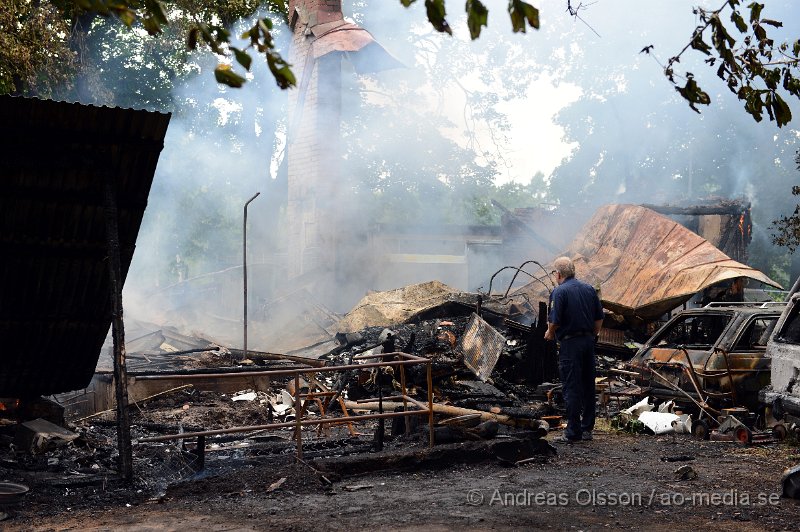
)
(645, 263)
(341, 36)
(54, 286)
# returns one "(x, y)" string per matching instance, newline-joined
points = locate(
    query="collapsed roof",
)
(645, 263)
(55, 304)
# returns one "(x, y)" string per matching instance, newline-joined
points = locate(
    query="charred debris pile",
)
(477, 377)
(462, 380)
(484, 380)
(493, 391)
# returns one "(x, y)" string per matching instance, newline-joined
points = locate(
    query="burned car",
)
(711, 357)
(783, 351)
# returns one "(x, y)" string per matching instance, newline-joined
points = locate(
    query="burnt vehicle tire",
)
(701, 430)
(779, 432)
(743, 435)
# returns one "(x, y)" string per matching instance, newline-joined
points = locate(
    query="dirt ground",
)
(617, 481)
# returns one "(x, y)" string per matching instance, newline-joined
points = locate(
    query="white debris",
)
(683, 425)
(642, 406)
(249, 396)
(658, 422)
(286, 398)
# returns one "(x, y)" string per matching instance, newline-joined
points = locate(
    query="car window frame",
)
(652, 343)
(792, 313)
(743, 329)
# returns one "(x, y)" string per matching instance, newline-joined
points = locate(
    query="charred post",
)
(118, 331)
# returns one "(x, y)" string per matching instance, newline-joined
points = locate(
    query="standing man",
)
(575, 319)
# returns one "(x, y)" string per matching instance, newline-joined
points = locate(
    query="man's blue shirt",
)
(574, 307)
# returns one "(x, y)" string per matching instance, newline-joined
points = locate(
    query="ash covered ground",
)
(513, 480)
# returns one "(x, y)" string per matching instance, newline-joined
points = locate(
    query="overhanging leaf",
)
(692, 93)
(127, 16)
(755, 11)
(281, 70)
(191, 40)
(242, 57)
(737, 19)
(522, 12)
(225, 75)
(157, 11)
(151, 25)
(699, 44)
(265, 24)
(477, 16)
(436, 15)
(791, 83)
(783, 115)
(251, 34)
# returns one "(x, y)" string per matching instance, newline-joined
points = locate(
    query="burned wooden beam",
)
(262, 355)
(503, 419)
(118, 330)
(734, 209)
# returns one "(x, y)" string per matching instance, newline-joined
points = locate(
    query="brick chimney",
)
(321, 40)
(314, 140)
(327, 10)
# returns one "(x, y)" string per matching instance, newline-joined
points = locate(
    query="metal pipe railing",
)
(405, 360)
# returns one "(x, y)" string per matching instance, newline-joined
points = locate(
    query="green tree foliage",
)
(386, 146)
(398, 159)
(635, 146)
(405, 154)
(786, 229)
(754, 67)
(35, 57)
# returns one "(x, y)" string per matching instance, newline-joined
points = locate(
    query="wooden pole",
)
(118, 331)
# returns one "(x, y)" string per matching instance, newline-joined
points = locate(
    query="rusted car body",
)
(712, 356)
(783, 351)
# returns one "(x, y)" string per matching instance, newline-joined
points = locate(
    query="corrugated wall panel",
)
(54, 288)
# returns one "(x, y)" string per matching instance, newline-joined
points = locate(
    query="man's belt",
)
(576, 335)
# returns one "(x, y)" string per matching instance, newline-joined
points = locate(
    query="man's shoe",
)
(586, 436)
(564, 439)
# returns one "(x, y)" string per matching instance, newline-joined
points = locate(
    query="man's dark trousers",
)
(576, 364)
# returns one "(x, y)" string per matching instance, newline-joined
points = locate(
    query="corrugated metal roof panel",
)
(54, 286)
(645, 263)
